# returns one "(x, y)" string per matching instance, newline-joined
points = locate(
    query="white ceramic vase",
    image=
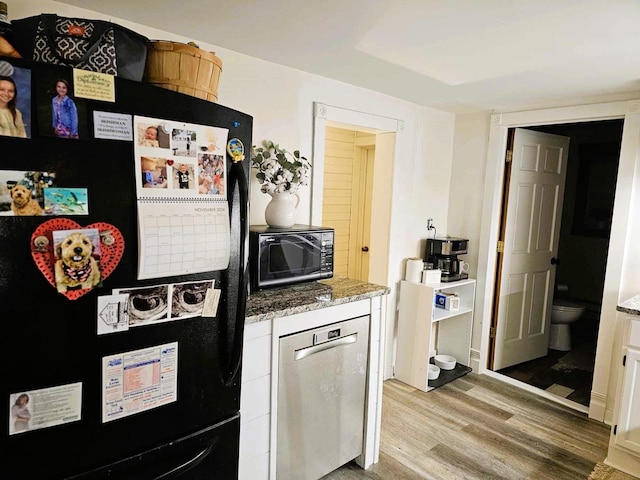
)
(281, 209)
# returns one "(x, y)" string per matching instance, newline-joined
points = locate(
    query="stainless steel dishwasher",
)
(322, 381)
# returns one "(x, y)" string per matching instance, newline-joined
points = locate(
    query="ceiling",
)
(453, 55)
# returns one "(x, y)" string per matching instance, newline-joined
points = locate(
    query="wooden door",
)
(360, 246)
(346, 203)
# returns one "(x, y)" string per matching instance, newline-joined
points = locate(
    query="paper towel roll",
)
(414, 270)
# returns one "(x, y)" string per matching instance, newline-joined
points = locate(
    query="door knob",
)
(365, 249)
(555, 261)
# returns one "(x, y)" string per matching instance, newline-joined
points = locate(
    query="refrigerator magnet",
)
(212, 298)
(235, 147)
(76, 259)
(113, 314)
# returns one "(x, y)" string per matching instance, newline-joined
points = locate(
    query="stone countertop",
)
(303, 297)
(631, 306)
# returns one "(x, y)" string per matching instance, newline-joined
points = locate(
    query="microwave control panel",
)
(326, 258)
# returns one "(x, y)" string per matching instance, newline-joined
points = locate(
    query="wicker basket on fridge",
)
(183, 68)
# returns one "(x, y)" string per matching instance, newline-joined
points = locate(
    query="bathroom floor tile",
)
(560, 390)
(571, 370)
(522, 376)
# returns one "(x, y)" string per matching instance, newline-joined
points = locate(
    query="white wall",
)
(467, 192)
(281, 99)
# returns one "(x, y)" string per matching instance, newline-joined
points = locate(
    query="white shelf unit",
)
(422, 327)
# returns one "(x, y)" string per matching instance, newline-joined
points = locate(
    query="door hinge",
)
(615, 429)
(500, 246)
(492, 332)
(508, 156)
(624, 360)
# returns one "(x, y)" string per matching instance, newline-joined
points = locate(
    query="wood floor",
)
(480, 428)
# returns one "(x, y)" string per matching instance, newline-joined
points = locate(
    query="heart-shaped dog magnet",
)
(42, 251)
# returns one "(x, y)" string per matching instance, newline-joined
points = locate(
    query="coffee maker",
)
(443, 253)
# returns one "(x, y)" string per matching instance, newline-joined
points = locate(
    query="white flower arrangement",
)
(278, 169)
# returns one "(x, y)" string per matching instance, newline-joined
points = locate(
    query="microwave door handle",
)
(238, 179)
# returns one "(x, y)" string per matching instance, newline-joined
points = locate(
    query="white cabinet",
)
(258, 398)
(422, 328)
(628, 426)
(624, 446)
(255, 402)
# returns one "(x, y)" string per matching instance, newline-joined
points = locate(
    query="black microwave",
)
(283, 256)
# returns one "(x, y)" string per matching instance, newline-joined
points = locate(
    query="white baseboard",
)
(475, 360)
(597, 407)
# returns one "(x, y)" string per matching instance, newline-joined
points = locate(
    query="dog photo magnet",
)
(77, 257)
(22, 192)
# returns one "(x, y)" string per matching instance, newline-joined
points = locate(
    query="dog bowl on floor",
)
(434, 372)
(445, 362)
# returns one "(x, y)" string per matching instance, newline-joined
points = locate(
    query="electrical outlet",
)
(430, 224)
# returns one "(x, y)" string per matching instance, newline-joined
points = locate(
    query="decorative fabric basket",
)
(94, 45)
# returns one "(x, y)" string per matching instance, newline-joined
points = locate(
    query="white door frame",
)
(365, 122)
(603, 389)
(338, 117)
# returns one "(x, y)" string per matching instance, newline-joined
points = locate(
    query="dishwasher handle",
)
(321, 347)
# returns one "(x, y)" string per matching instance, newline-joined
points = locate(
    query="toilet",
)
(563, 314)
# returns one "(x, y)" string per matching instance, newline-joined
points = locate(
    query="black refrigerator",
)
(170, 409)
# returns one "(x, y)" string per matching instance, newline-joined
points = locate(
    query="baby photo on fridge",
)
(152, 135)
(184, 176)
(147, 305)
(187, 299)
(154, 172)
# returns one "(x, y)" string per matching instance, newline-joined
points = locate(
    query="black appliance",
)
(49, 340)
(284, 256)
(443, 253)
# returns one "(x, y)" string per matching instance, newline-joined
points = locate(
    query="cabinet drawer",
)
(634, 334)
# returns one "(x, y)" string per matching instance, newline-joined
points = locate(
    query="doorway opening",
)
(385, 130)
(567, 370)
(347, 196)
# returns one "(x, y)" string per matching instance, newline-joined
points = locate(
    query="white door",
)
(527, 277)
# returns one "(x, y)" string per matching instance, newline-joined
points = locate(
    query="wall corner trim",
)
(319, 110)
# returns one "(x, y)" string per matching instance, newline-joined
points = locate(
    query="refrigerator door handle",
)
(238, 179)
(180, 469)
